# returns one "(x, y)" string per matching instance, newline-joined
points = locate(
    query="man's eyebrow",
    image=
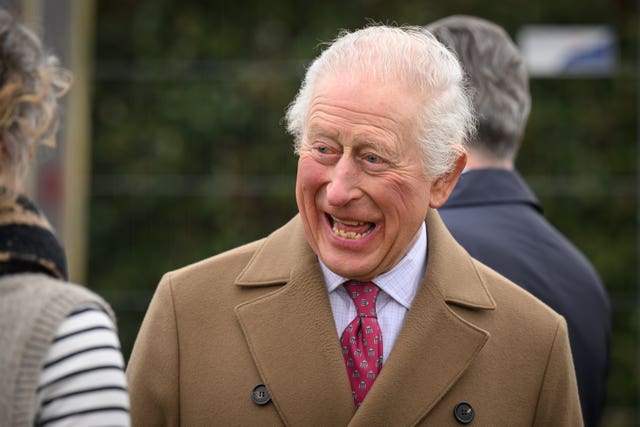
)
(366, 142)
(317, 130)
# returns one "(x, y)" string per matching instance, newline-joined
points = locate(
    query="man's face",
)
(361, 188)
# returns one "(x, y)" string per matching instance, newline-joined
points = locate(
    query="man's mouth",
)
(350, 229)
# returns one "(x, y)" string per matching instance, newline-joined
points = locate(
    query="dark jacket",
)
(497, 218)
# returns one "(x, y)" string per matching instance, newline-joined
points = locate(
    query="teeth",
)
(348, 234)
(346, 222)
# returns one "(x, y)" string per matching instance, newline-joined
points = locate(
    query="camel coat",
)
(259, 315)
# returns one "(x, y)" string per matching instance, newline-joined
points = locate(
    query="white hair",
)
(410, 56)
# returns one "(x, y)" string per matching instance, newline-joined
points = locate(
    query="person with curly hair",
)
(61, 361)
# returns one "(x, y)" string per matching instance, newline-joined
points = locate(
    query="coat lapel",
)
(293, 340)
(435, 345)
(292, 336)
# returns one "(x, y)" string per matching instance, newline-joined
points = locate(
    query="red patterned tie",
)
(362, 340)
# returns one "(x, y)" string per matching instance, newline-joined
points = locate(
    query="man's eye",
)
(372, 158)
(324, 154)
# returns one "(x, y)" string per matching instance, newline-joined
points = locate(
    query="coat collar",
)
(297, 351)
(286, 250)
(491, 186)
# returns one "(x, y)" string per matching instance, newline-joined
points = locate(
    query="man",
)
(270, 334)
(497, 218)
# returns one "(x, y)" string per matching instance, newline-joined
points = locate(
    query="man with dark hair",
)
(497, 218)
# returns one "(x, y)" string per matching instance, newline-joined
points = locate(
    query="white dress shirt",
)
(398, 287)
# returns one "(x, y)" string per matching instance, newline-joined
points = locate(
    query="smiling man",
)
(362, 190)
(362, 310)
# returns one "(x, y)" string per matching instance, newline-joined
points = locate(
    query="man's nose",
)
(344, 184)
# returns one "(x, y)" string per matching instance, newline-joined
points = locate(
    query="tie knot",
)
(364, 296)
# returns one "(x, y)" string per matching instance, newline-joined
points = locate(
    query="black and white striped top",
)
(82, 382)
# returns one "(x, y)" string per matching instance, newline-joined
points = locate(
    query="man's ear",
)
(442, 186)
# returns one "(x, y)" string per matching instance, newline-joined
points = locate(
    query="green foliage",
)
(190, 155)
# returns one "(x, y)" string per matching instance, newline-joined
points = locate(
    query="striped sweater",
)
(60, 359)
(60, 362)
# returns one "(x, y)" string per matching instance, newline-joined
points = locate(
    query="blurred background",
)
(173, 147)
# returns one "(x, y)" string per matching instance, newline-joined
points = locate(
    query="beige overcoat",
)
(260, 315)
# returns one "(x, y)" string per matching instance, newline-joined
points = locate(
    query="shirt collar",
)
(402, 281)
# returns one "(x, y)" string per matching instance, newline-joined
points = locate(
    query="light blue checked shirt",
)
(398, 287)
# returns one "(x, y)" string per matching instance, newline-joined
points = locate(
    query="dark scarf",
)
(27, 241)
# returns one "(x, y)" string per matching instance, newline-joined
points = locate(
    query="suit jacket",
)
(260, 315)
(494, 215)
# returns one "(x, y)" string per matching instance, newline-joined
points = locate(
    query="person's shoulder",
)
(44, 284)
(229, 264)
(515, 303)
(46, 299)
(225, 263)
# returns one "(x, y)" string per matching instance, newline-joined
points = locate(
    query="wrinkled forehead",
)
(367, 93)
(363, 109)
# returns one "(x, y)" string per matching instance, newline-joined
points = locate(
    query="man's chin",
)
(351, 268)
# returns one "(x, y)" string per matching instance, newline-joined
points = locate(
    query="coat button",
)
(260, 395)
(463, 413)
